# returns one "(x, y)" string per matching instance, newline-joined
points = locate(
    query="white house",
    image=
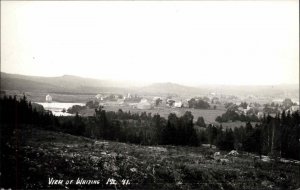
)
(99, 96)
(178, 104)
(48, 98)
(144, 104)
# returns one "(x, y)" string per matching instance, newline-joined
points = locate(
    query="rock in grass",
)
(133, 169)
(233, 153)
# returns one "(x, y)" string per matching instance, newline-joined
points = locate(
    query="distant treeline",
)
(231, 115)
(198, 103)
(275, 136)
(278, 136)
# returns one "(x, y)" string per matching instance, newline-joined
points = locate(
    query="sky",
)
(192, 43)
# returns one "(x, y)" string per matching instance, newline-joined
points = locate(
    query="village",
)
(209, 106)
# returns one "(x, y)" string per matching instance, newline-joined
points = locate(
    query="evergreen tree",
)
(200, 122)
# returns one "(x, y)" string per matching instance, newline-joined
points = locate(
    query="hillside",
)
(62, 84)
(44, 155)
(75, 84)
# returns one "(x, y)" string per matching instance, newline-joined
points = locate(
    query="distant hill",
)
(62, 84)
(74, 84)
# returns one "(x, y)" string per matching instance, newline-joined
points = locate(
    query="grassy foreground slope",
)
(45, 154)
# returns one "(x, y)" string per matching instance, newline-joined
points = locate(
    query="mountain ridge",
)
(77, 84)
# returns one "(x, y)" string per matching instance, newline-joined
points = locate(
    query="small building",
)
(144, 104)
(48, 98)
(99, 97)
(178, 104)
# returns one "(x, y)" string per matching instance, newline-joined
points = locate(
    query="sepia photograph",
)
(150, 95)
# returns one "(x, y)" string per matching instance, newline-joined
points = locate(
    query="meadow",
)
(209, 115)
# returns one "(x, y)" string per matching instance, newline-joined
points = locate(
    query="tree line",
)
(231, 115)
(198, 103)
(277, 136)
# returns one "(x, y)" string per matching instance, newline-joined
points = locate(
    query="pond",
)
(57, 107)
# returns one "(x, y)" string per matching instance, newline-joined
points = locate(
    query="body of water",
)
(57, 107)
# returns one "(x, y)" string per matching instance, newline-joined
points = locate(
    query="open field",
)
(45, 154)
(209, 115)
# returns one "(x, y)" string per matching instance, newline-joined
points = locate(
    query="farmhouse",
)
(99, 97)
(48, 98)
(144, 104)
(178, 104)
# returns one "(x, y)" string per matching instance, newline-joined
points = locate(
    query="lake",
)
(57, 107)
